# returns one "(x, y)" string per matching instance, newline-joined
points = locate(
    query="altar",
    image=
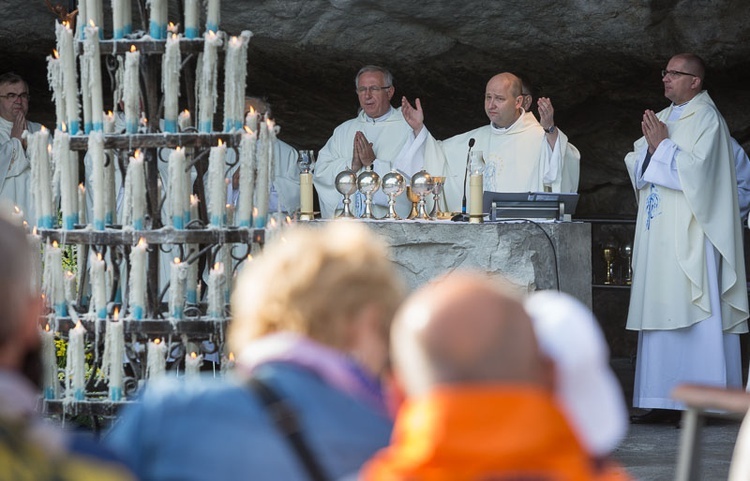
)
(532, 255)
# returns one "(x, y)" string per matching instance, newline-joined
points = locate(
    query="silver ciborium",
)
(422, 184)
(346, 185)
(368, 183)
(393, 186)
(437, 191)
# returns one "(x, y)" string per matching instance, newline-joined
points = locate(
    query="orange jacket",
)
(481, 433)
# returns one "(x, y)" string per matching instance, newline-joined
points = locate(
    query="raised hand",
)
(413, 116)
(546, 112)
(654, 130)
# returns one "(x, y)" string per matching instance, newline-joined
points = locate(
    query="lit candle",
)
(75, 366)
(69, 284)
(207, 82)
(49, 363)
(135, 193)
(55, 80)
(94, 87)
(53, 286)
(229, 214)
(114, 350)
(192, 16)
(132, 90)
(156, 359)
(98, 285)
(158, 19)
(96, 181)
(193, 365)
(179, 202)
(66, 170)
(251, 120)
(247, 178)
(216, 292)
(170, 82)
(216, 187)
(183, 121)
(235, 81)
(178, 276)
(41, 175)
(212, 15)
(95, 15)
(227, 364)
(110, 195)
(69, 76)
(138, 266)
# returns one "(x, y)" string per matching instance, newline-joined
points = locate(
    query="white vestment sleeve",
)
(10, 151)
(662, 170)
(551, 160)
(742, 168)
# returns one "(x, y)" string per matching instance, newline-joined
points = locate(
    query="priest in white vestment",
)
(15, 168)
(689, 297)
(377, 137)
(521, 153)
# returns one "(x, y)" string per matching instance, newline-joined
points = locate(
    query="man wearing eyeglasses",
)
(375, 138)
(689, 298)
(15, 169)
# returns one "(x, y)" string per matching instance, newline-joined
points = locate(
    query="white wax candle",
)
(41, 176)
(95, 16)
(227, 364)
(476, 192)
(49, 364)
(216, 291)
(82, 19)
(66, 170)
(98, 285)
(132, 90)
(178, 190)
(69, 76)
(127, 16)
(110, 194)
(207, 79)
(118, 22)
(265, 169)
(75, 366)
(183, 121)
(247, 178)
(138, 267)
(212, 15)
(158, 19)
(193, 363)
(136, 187)
(156, 359)
(177, 278)
(306, 194)
(69, 284)
(53, 284)
(82, 218)
(192, 16)
(217, 193)
(94, 88)
(55, 80)
(235, 81)
(96, 181)
(170, 82)
(114, 350)
(251, 120)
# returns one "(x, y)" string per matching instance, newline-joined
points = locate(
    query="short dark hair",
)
(12, 78)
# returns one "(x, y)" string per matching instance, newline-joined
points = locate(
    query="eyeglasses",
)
(13, 96)
(371, 90)
(675, 73)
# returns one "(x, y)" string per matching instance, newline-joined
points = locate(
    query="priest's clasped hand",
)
(413, 116)
(654, 130)
(362, 154)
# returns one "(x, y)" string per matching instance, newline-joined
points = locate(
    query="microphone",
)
(468, 154)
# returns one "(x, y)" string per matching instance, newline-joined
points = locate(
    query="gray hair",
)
(387, 76)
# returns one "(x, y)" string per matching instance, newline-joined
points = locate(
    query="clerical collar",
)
(500, 130)
(381, 118)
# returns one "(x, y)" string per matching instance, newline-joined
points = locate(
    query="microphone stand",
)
(463, 216)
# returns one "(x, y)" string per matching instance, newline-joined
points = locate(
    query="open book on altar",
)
(529, 205)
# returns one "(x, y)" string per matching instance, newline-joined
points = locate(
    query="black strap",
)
(285, 420)
(646, 161)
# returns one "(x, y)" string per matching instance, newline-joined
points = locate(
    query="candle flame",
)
(18, 211)
(194, 199)
(91, 23)
(176, 260)
(46, 327)
(116, 314)
(249, 257)
(79, 326)
(82, 187)
(142, 242)
(252, 109)
(272, 223)
(255, 211)
(66, 24)
(217, 266)
(186, 112)
(288, 220)
(248, 129)
(63, 127)
(49, 148)
(231, 356)
(132, 48)
(54, 244)
(193, 355)
(34, 231)
(157, 341)
(55, 54)
(228, 206)
(99, 256)
(137, 153)
(220, 143)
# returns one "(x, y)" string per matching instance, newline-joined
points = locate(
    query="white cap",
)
(587, 388)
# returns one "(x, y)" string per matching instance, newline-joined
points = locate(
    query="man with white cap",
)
(588, 391)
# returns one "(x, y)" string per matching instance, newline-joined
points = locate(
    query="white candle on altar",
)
(170, 82)
(235, 81)
(94, 88)
(138, 266)
(193, 363)
(114, 351)
(53, 284)
(55, 80)
(179, 202)
(183, 121)
(96, 181)
(69, 76)
(476, 193)
(207, 79)
(217, 193)
(216, 292)
(75, 366)
(156, 359)
(41, 176)
(136, 184)
(82, 204)
(49, 363)
(177, 278)
(157, 26)
(212, 15)
(247, 178)
(98, 285)
(132, 90)
(192, 17)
